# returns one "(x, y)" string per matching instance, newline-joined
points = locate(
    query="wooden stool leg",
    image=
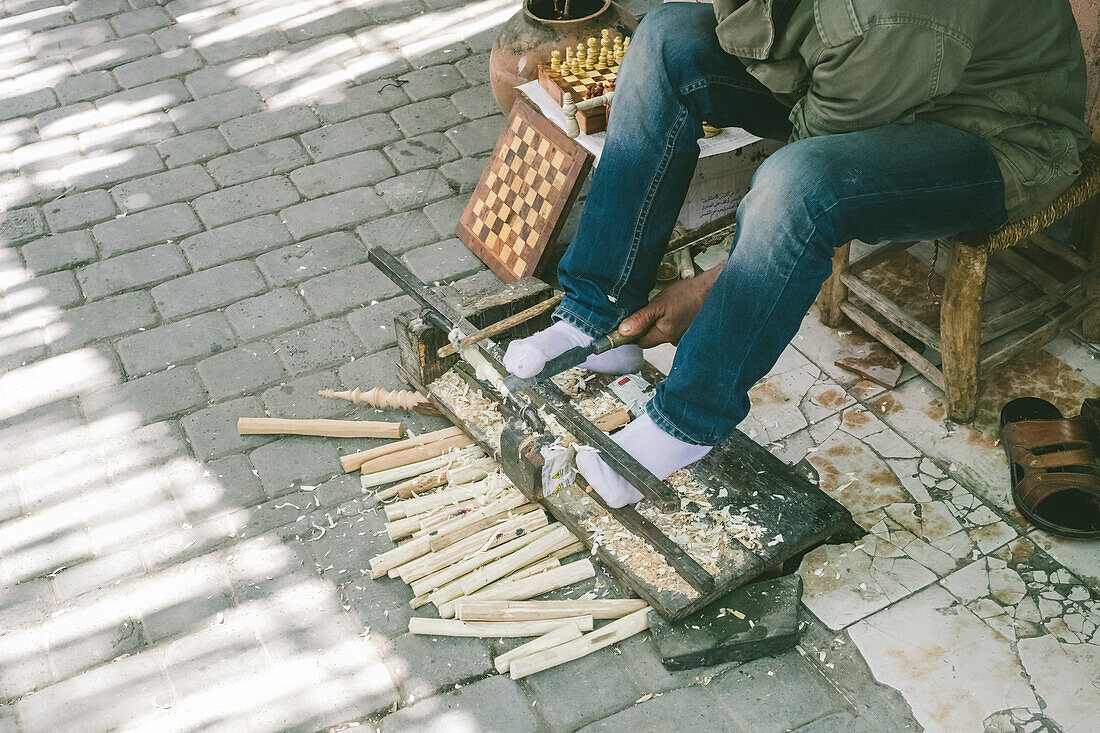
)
(960, 328)
(834, 292)
(1090, 326)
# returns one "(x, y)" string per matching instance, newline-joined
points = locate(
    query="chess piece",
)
(578, 60)
(555, 60)
(617, 52)
(626, 44)
(593, 54)
(604, 61)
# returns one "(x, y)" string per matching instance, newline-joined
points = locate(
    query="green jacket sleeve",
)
(883, 75)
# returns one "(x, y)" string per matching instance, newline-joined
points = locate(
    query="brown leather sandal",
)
(1055, 470)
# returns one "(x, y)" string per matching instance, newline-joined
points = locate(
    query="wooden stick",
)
(538, 549)
(486, 539)
(473, 609)
(415, 454)
(381, 564)
(325, 428)
(612, 420)
(451, 495)
(520, 589)
(505, 629)
(571, 548)
(355, 460)
(454, 571)
(615, 631)
(452, 592)
(548, 563)
(487, 516)
(401, 399)
(568, 631)
(417, 524)
(415, 469)
(474, 471)
(502, 325)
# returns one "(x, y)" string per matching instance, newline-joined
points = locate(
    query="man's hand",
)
(665, 318)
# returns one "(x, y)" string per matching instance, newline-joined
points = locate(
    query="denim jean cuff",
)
(665, 423)
(585, 320)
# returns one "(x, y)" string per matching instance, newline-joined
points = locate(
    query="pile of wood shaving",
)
(575, 382)
(471, 405)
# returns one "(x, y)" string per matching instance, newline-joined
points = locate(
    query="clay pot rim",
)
(527, 12)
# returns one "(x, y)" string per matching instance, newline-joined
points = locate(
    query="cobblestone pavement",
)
(189, 189)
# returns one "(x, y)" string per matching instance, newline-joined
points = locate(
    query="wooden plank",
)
(890, 311)
(1058, 249)
(1038, 308)
(1041, 335)
(895, 344)
(881, 253)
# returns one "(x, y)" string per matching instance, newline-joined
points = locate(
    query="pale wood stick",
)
(380, 398)
(486, 539)
(354, 460)
(381, 564)
(615, 631)
(415, 525)
(450, 495)
(501, 326)
(471, 472)
(474, 471)
(432, 528)
(473, 609)
(568, 550)
(415, 454)
(506, 629)
(415, 469)
(540, 548)
(521, 589)
(456, 570)
(487, 516)
(612, 420)
(491, 521)
(568, 631)
(327, 428)
(451, 592)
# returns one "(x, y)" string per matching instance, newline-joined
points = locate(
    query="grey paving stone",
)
(58, 289)
(475, 69)
(215, 488)
(104, 319)
(286, 464)
(361, 100)
(174, 36)
(120, 166)
(298, 398)
(81, 88)
(155, 397)
(29, 103)
(93, 574)
(748, 692)
(174, 343)
(464, 173)
(341, 138)
(88, 640)
(398, 233)
(147, 129)
(267, 314)
(424, 151)
(347, 288)
(311, 258)
(448, 54)
(218, 654)
(689, 708)
(140, 21)
(266, 159)
(210, 595)
(435, 81)
(215, 79)
(427, 116)
(840, 723)
(194, 147)
(21, 225)
(79, 210)
(219, 286)
(57, 41)
(130, 103)
(340, 174)
(248, 44)
(475, 102)
(493, 704)
(342, 489)
(114, 53)
(245, 200)
(235, 241)
(444, 215)
(476, 136)
(134, 270)
(316, 345)
(50, 709)
(427, 665)
(328, 213)
(572, 695)
(374, 323)
(24, 663)
(89, 9)
(414, 190)
(242, 370)
(214, 110)
(446, 261)
(268, 125)
(134, 231)
(178, 184)
(162, 66)
(213, 430)
(53, 125)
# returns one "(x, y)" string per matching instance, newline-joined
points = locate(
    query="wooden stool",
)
(962, 331)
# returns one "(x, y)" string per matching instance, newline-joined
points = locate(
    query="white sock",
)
(652, 447)
(526, 357)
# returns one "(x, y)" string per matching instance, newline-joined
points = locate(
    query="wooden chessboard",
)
(555, 83)
(524, 195)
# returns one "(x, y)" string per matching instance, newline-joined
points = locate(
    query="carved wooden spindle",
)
(377, 397)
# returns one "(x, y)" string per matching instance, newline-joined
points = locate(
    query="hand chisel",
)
(567, 360)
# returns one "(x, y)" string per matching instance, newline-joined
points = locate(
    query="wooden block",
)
(327, 428)
(491, 630)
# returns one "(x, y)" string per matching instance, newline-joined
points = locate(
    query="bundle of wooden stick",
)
(470, 543)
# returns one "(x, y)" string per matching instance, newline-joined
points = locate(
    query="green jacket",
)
(1012, 71)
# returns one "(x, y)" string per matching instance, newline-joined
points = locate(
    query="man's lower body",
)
(895, 182)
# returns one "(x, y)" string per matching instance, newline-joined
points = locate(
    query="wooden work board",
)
(795, 515)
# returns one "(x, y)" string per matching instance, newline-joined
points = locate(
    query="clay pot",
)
(529, 36)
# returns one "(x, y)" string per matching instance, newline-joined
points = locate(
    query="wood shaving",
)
(471, 405)
(592, 404)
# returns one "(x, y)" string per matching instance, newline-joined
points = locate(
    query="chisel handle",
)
(611, 341)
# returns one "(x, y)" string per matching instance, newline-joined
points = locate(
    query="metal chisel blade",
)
(565, 360)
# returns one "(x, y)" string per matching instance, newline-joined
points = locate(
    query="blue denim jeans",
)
(894, 182)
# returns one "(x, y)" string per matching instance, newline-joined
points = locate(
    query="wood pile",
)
(471, 544)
